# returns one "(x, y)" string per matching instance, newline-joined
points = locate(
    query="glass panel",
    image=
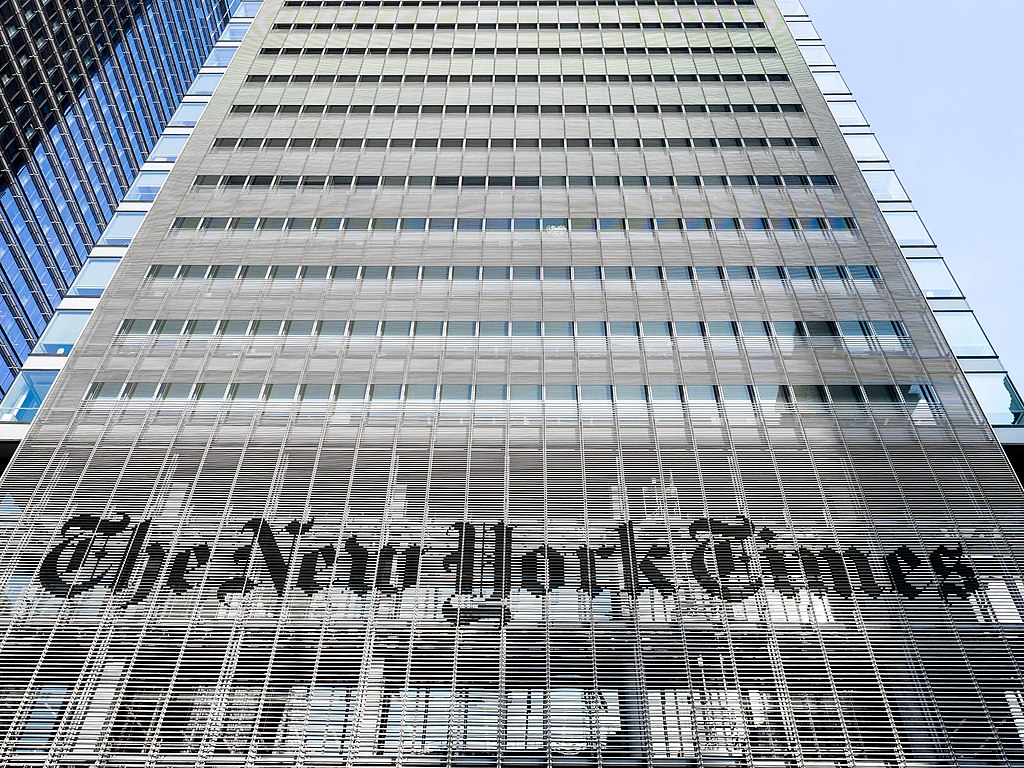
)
(122, 229)
(847, 113)
(167, 149)
(186, 115)
(791, 7)
(964, 334)
(998, 398)
(816, 55)
(204, 84)
(93, 278)
(865, 147)
(885, 185)
(907, 228)
(26, 395)
(804, 30)
(831, 82)
(234, 31)
(220, 56)
(62, 332)
(934, 278)
(146, 186)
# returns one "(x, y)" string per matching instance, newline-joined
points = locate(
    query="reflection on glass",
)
(791, 7)
(204, 84)
(167, 149)
(62, 332)
(246, 8)
(220, 56)
(885, 185)
(816, 55)
(26, 395)
(235, 31)
(145, 187)
(964, 334)
(934, 278)
(122, 228)
(907, 228)
(865, 147)
(998, 398)
(93, 278)
(831, 82)
(803, 30)
(847, 113)
(186, 115)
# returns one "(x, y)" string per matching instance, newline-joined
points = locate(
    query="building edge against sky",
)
(88, 88)
(989, 380)
(991, 383)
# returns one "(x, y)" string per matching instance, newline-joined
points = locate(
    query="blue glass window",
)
(235, 31)
(146, 186)
(187, 114)
(62, 332)
(26, 395)
(246, 8)
(122, 228)
(998, 398)
(220, 56)
(204, 85)
(167, 149)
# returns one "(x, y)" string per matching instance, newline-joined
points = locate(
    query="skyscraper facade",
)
(86, 87)
(513, 382)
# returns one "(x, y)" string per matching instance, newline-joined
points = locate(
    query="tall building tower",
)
(86, 88)
(513, 382)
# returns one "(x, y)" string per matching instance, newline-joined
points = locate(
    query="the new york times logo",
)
(482, 564)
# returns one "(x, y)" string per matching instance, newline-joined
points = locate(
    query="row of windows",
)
(701, 394)
(502, 3)
(519, 182)
(435, 223)
(506, 109)
(565, 25)
(560, 78)
(547, 273)
(330, 142)
(552, 51)
(755, 329)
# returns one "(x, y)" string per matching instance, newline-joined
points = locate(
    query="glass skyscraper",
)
(86, 87)
(514, 382)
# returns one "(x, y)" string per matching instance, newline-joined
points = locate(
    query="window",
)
(21, 404)
(964, 334)
(62, 332)
(865, 147)
(167, 149)
(998, 398)
(934, 278)
(907, 228)
(146, 186)
(122, 228)
(234, 31)
(831, 82)
(847, 113)
(204, 84)
(816, 55)
(187, 115)
(220, 56)
(93, 278)
(885, 186)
